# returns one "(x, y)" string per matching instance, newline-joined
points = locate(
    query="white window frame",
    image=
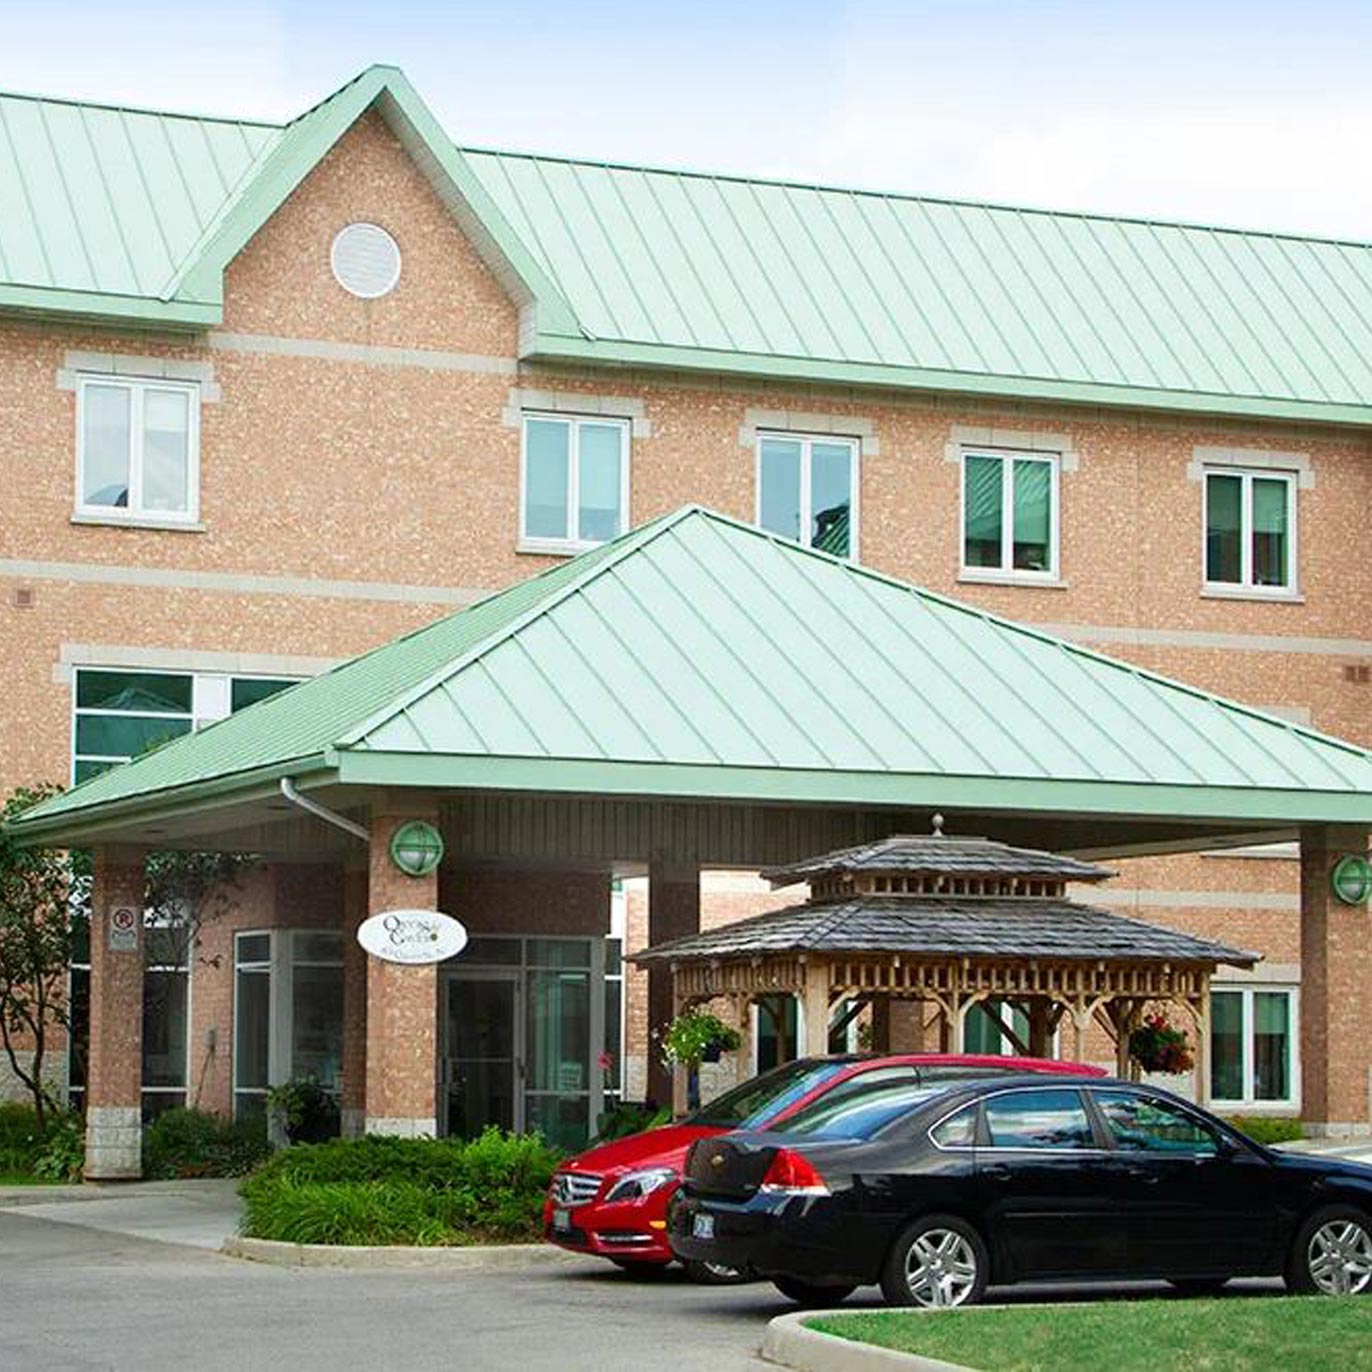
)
(1245, 586)
(571, 544)
(185, 969)
(134, 513)
(211, 700)
(1247, 1103)
(806, 441)
(1007, 571)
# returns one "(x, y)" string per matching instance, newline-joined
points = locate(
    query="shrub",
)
(1267, 1129)
(402, 1191)
(195, 1143)
(18, 1138)
(628, 1117)
(61, 1154)
(306, 1110)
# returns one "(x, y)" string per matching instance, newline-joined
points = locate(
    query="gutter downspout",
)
(323, 812)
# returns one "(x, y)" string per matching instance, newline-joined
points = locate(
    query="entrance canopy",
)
(703, 662)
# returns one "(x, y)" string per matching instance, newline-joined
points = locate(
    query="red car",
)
(612, 1199)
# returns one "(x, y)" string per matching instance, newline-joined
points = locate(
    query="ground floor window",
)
(1253, 1045)
(287, 1013)
(166, 1017)
(982, 1028)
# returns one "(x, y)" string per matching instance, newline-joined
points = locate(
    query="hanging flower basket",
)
(1159, 1047)
(696, 1037)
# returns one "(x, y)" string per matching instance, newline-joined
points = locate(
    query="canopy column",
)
(673, 912)
(114, 1065)
(401, 1089)
(354, 1103)
(1336, 970)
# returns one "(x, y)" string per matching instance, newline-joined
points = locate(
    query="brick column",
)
(354, 1103)
(1336, 970)
(114, 1081)
(401, 1089)
(673, 912)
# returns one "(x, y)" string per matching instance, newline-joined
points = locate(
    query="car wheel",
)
(640, 1271)
(714, 1273)
(1198, 1286)
(939, 1260)
(810, 1295)
(1332, 1254)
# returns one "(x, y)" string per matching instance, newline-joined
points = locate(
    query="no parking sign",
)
(123, 929)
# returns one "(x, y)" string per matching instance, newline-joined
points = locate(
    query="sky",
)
(1253, 114)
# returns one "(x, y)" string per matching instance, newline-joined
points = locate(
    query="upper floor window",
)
(1250, 530)
(807, 491)
(1010, 515)
(574, 482)
(138, 449)
(121, 713)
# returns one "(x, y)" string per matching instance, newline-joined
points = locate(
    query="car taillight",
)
(793, 1173)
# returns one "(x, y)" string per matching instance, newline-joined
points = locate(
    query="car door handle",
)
(997, 1171)
(1144, 1174)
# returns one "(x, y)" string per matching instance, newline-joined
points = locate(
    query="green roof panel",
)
(700, 656)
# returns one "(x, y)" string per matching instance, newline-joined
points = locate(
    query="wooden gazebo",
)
(950, 922)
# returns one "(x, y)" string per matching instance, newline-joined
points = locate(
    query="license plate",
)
(702, 1226)
(562, 1220)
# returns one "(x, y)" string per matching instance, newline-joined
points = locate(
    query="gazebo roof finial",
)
(938, 825)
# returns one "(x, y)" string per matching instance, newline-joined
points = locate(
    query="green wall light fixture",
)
(1351, 879)
(416, 848)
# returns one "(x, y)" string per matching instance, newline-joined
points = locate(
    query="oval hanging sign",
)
(412, 936)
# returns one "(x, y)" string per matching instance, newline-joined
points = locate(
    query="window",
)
(1252, 1047)
(575, 482)
(287, 1013)
(1250, 530)
(806, 491)
(120, 714)
(981, 1029)
(1141, 1124)
(1038, 1119)
(166, 1015)
(1010, 515)
(138, 449)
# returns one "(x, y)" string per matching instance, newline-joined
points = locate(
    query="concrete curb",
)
(477, 1258)
(789, 1343)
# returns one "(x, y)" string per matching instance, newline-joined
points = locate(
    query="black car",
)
(936, 1192)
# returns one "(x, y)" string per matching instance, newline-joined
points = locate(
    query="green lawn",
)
(1237, 1334)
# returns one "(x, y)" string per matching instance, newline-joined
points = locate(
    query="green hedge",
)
(18, 1139)
(56, 1155)
(1267, 1129)
(194, 1143)
(402, 1191)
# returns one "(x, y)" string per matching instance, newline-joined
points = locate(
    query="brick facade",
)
(359, 456)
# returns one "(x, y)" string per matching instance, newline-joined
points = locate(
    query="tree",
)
(39, 891)
(45, 898)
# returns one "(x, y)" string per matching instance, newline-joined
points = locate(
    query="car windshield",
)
(858, 1114)
(763, 1098)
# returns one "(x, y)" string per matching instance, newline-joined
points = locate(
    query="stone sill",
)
(1251, 593)
(175, 526)
(1045, 583)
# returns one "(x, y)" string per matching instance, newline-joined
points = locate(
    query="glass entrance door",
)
(482, 1055)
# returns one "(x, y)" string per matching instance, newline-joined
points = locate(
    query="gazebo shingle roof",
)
(976, 927)
(936, 854)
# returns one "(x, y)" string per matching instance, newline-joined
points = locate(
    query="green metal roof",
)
(133, 215)
(815, 282)
(697, 656)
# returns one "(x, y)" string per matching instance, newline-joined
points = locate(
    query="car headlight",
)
(637, 1185)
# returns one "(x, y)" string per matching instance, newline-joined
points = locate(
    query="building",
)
(275, 395)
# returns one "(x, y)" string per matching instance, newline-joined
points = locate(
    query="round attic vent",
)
(365, 261)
